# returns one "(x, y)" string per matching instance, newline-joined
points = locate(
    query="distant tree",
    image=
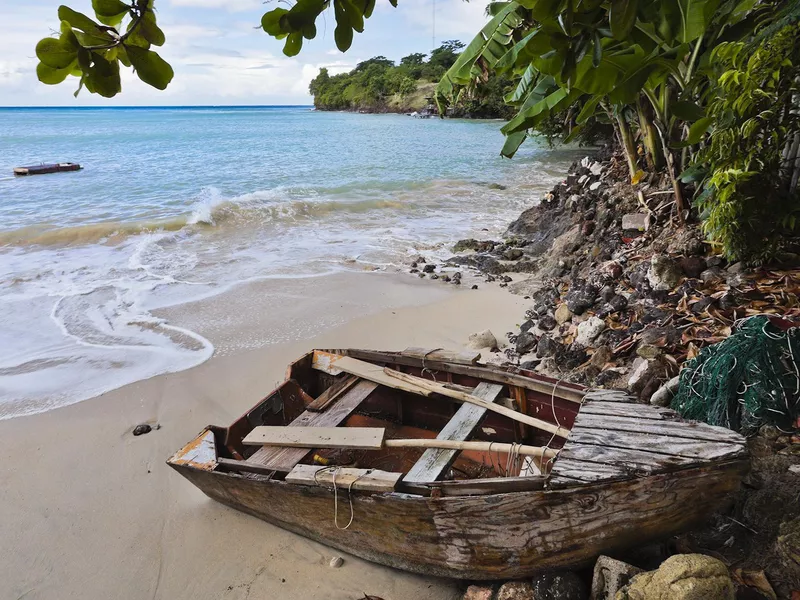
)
(381, 61)
(407, 86)
(446, 54)
(417, 58)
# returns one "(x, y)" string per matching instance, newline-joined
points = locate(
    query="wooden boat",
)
(49, 168)
(458, 469)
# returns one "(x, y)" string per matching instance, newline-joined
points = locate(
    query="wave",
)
(211, 210)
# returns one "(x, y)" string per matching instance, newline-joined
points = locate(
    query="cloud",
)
(262, 67)
(228, 5)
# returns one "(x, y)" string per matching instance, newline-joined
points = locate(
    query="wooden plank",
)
(624, 409)
(588, 471)
(284, 459)
(686, 429)
(636, 460)
(371, 480)
(442, 390)
(358, 438)
(434, 462)
(465, 357)
(565, 391)
(243, 466)
(336, 389)
(674, 446)
(474, 487)
(609, 396)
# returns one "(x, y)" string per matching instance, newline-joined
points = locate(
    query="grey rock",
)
(580, 298)
(142, 429)
(429, 268)
(527, 325)
(473, 244)
(513, 254)
(663, 396)
(608, 292)
(588, 330)
(618, 302)
(559, 586)
(610, 576)
(702, 305)
(711, 275)
(641, 372)
(547, 346)
(526, 342)
(547, 323)
(715, 261)
(738, 267)
(664, 274)
(693, 266)
(474, 286)
(600, 357)
(515, 590)
(635, 221)
(562, 314)
(482, 339)
(336, 562)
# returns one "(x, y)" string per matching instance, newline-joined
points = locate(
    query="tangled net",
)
(746, 381)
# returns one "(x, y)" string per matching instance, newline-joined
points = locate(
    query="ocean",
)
(175, 205)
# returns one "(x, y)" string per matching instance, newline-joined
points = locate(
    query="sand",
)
(91, 512)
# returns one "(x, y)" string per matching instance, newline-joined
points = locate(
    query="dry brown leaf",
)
(755, 579)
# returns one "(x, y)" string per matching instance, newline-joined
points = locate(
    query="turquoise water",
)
(174, 205)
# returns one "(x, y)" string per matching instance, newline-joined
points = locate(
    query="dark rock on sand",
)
(526, 342)
(513, 254)
(475, 245)
(580, 298)
(429, 268)
(142, 429)
(559, 586)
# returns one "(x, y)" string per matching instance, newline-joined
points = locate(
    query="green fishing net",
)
(746, 381)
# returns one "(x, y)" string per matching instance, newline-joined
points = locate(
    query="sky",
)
(221, 56)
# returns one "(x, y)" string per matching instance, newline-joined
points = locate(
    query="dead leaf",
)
(755, 579)
(692, 351)
(796, 595)
(637, 177)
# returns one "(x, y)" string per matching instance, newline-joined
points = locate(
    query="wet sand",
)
(91, 512)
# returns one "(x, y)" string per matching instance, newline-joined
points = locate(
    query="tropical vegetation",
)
(378, 85)
(702, 91)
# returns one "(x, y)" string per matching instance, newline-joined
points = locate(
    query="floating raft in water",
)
(43, 169)
(458, 469)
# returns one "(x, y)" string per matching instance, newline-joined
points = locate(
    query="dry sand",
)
(91, 512)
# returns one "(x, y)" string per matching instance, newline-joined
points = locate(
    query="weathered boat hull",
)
(486, 537)
(46, 169)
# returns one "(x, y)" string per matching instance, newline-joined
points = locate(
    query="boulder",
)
(562, 314)
(547, 323)
(547, 346)
(663, 396)
(142, 429)
(682, 577)
(478, 592)
(515, 590)
(429, 268)
(692, 266)
(711, 275)
(641, 373)
(336, 562)
(664, 274)
(474, 245)
(580, 298)
(789, 543)
(610, 576)
(482, 339)
(526, 342)
(559, 586)
(513, 254)
(600, 357)
(588, 330)
(612, 268)
(618, 302)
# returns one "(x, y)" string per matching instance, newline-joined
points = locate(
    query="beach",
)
(90, 511)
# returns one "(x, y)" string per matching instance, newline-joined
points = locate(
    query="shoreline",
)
(126, 526)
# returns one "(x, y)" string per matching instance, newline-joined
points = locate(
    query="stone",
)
(715, 261)
(515, 590)
(478, 592)
(636, 221)
(434, 276)
(692, 266)
(618, 302)
(429, 268)
(595, 168)
(580, 298)
(527, 325)
(595, 185)
(562, 314)
(612, 268)
(547, 346)
(789, 543)
(711, 275)
(587, 228)
(608, 292)
(647, 351)
(682, 577)
(474, 286)
(336, 562)
(702, 305)
(142, 429)
(738, 267)
(526, 342)
(663, 396)
(641, 372)
(601, 356)
(559, 586)
(610, 576)
(474, 245)
(513, 254)
(589, 330)
(663, 274)
(482, 339)
(547, 323)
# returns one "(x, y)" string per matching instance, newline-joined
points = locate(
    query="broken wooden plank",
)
(698, 431)
(434, 462)
(358, 438)
(465, 357)
(284, 459)
(633, 459)
(625, 409)
(371, 480)
(664, 444)
(438, 388)
(565, 391)
(336, 389)
(474, 487)
(587, 471)
(609, 396)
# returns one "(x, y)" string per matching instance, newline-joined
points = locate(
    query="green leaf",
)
(687, 111)
(588, 109)
(698, 130)
(109, 8)
(78, 20)
(270, 22)
(622, 17)
(512, 143)
(310, 31)
(597, 54)
(293, 45)
(150, 31)
(150, 67)
(56, 54)
(103, 77)
(343, 36)
(693, 174)
(51, 76)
